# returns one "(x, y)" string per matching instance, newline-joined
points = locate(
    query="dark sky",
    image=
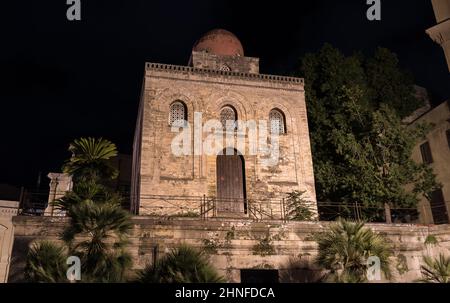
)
(61, 80)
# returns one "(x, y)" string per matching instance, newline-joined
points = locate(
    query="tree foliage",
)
(98, 228)
(46, 263)
(98, 233)
(361, 149)
(182, 265)
(297, 207)
(90, 159)
(435, 270)
(344, 249)
(388, 84)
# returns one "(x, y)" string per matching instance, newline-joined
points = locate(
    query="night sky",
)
(61, 80)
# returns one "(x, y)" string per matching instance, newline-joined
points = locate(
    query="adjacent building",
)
(434, 150)
(440, 33)
(8, 209)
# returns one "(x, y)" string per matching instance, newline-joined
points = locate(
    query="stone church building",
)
(228, 197)
(219, 84)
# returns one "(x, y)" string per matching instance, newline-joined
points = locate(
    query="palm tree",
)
(435, 270)
(46, 262)
(90, 159)
(85, 191)
(98, 225)
(97, 233)
(344, 249)
(182, 265)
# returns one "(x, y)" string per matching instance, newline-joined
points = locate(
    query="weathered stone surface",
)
(438, 118)
(8, 209)
(158, 172)
(440, 33)
(236, 244)
(232, 63)
(59, 184)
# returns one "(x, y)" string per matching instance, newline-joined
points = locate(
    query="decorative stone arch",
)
(227, 112)
(217, 101)
(177, 110)
(164, 100)
(158, 108)
(278, 114)
(224, 67)
(287, 115)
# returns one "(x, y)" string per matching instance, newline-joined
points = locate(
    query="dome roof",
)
(220, 42)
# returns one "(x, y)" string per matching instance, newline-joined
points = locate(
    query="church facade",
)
(220, 94)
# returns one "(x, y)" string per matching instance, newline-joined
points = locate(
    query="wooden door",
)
(230, 183)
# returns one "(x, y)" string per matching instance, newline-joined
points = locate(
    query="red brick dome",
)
(220, 42)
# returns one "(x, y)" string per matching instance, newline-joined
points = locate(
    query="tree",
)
(297, 208)
(97, 234)
(46, 262)
(182, 265)
(435, 270)
(98, 227)
(361, 149)
(388, 84)
(344, 249)
(90, 159)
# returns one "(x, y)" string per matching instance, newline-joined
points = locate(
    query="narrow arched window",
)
(277, 122)
(228, 113)
(225, 68)
(178, 112)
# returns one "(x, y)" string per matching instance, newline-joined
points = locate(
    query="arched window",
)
(228, 113)
(178, 111)
(225, 68)
(277, 121)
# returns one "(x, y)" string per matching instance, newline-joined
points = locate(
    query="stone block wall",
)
(158, 172)
(244, 244)
(232, 63)
(59, 185)
(8, 209)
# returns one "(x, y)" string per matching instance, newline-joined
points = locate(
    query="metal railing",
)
(33, 203)
(205, 207)
(330, 211)
(270, 209)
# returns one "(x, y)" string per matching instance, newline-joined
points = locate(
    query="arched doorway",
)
(230, 172)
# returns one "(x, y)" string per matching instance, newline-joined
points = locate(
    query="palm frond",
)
(98, 234)
(90, 159)
(182, 265)
(98, 227)
(344, 249)
(46, 263)
(435, 270)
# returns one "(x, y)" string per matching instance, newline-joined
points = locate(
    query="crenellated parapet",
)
(201, 75)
